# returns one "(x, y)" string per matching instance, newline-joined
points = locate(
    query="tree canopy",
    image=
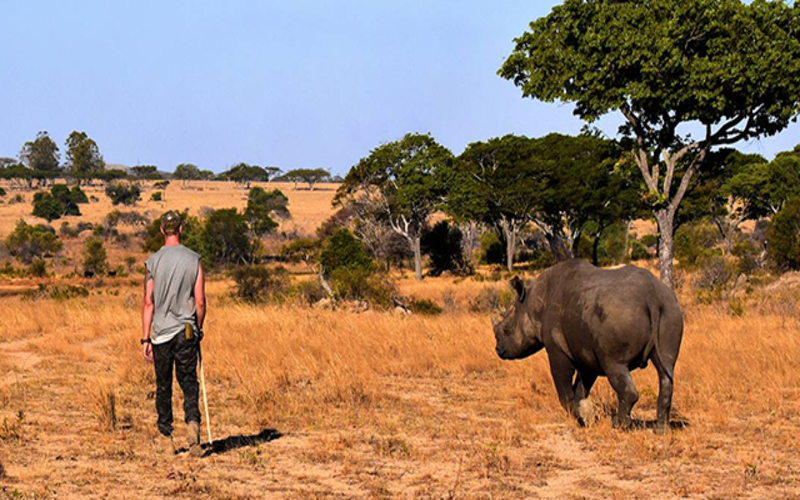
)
(730, 67)
(400, 181)
(40, 153)
(262, 209)
(84, 160)
(310, 176)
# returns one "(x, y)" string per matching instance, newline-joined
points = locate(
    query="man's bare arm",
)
(148, 308)
(200, 296)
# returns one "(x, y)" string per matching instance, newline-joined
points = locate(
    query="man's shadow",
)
(240, 441)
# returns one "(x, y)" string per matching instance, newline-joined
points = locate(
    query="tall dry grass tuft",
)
(103, 404)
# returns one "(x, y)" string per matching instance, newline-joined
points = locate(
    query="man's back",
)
(174, 272)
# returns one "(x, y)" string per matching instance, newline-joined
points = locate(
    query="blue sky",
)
(295, 83)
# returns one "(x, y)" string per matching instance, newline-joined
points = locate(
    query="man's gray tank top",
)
(174, 272)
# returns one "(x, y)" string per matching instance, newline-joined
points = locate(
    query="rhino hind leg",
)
(665, 385)
(584, 410)
(621, 381)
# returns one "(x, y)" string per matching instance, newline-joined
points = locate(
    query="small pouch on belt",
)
(189, 331)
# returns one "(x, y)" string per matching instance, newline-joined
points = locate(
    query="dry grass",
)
(375, 404)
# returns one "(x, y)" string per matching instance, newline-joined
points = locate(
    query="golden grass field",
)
(309, 403)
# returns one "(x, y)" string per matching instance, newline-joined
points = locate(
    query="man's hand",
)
(148, 352)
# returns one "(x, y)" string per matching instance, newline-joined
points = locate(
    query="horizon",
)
(304, 85)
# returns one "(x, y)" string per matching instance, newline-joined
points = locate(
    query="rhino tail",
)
(653, 342)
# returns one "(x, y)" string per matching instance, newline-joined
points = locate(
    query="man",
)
(175, 305)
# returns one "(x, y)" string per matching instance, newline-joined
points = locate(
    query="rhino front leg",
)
(562, 371)
(621, 381)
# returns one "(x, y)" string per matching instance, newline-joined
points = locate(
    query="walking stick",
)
(205, 398)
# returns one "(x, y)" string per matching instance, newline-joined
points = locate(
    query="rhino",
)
(595, 322)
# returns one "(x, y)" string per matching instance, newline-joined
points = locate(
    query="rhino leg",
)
(585, 412)
(620, 379)
(664, 396)
(562, 371)
(583, 384)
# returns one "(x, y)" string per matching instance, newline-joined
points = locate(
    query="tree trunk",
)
(510, 231)
(596, 249)
(469, 231)
(666, 248)
(415, 242)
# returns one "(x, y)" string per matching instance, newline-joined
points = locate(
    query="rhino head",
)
(518, 332)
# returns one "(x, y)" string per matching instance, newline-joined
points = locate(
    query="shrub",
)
(123, 193)
(639, 251)
(309, 292)
(748, 256)
(162, 185)
(649, 240)
(355, 283)
(491, 300)
(58, 292)
(46, 207)
(493, 250)
(694, 243)
(442, 244)
(256, 284)
(17, 198)
(156, 196)
(2, 191)
(342, 250)
(67, 231)
(94, 258)
(38, 268)
(783, 237)
(425, 307)
(28, 242)
(59, 202)
(715, 274)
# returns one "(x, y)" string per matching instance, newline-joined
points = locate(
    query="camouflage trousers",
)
(182, 355)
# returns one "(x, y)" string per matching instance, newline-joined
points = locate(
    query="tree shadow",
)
(240, 441)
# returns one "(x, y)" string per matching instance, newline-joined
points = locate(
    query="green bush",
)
(493, 250)
(342, 250)
(257, 284)
(28, 242)
(355, 283)
(38, 268)
(2, 191)
(123, 193)
(649, 240)
(639, 251)
(94, 258)
(694, 243)
(156, 196)
(442, 244)
(60, 201)
(783, 237)
(425, 307)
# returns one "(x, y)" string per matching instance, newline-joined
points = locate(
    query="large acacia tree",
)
(729, 68)
(402, 180)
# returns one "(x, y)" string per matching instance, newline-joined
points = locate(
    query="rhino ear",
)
(519, 286)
